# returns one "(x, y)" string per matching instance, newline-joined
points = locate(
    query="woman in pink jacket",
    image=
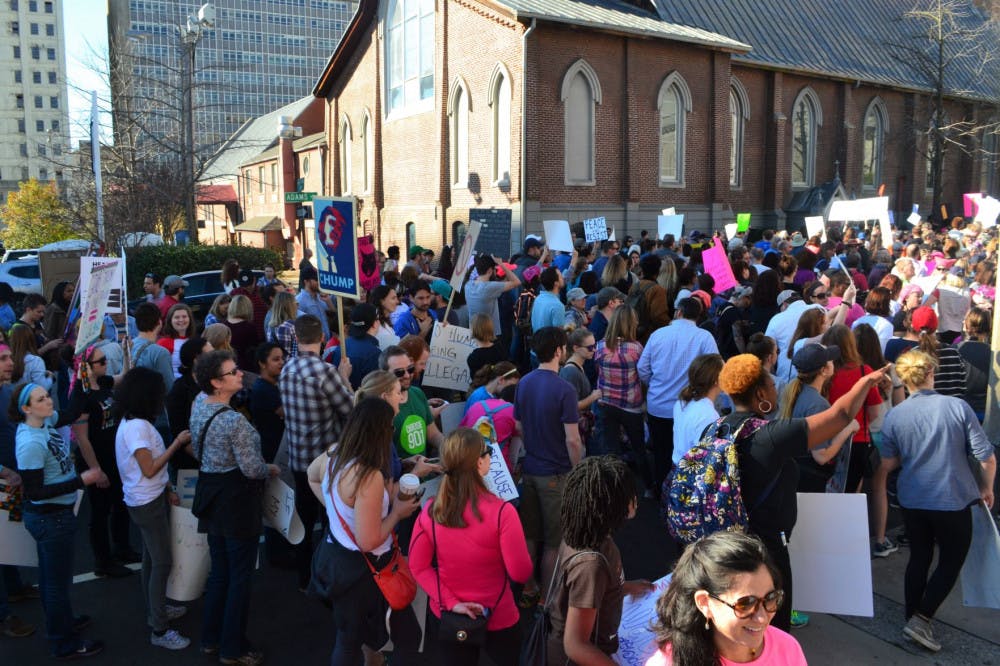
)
(479, 544)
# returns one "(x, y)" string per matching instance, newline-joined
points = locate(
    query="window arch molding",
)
(739, 113)
(580, 94)
(367, 136)
(807, 118)
(874, 129)
(499, 99)
(344, 137)
(459, 108)
(673, 102)
(581, 66)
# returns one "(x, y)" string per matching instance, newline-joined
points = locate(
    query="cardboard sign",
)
(885, 226)
(913, 218)
(447, 366)
(17, 546)
(187, 482)
(636, 642)
(989, 209)
(981, 571)
(858, 210)
(103, 278)
(117, 297)
(731, 231)
(742, 222)
(831, 556)
(336, 246)
(816, 226)
(594, 229)
(498, 479)
(278, 506)
(970, 204)
(191, 559)
(465, 254)
(558, 236)
(717, 265)
(669, 224)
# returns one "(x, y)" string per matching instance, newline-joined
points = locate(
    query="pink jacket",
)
(474, 560)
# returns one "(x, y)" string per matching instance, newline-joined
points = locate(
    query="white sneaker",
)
(170, 640)
(174, 612)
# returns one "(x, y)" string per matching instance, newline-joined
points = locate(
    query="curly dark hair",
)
(596, 501)
(140, 395)
(208, 366)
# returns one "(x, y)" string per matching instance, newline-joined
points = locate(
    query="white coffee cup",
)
(409, 484)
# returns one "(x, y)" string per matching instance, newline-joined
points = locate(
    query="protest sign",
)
(558, 236)
(336, 246)
(636, 642)
(594, 229)
(669, 224)
(464, 257)
(103, 279)
(989, 209)
(17, 546)
(731, 231)
(858, 210)
(498, 479)
(611, 237)
(495, 237)
(816, 226)
(831, 556)
(913, 218)
(447, 366)
(717, 265)
(278, 506)
(189, 551)
(981, 571)
(187, 481)
(117, 297)
(742, 222)
(669, 211)
(970, 204)
(885, 226)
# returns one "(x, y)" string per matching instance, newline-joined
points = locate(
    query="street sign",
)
(298, 197)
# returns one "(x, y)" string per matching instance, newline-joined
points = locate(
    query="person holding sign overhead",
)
(483, 294)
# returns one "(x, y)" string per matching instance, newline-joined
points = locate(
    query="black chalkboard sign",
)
(494, 237)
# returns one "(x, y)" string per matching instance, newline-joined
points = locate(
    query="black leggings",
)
(779, 554)
(107, 506)
(307, 507)
(951, 531)
(503, 646)
(615, 419)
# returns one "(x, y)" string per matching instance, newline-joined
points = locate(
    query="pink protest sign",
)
(970, 204)
(717, 265)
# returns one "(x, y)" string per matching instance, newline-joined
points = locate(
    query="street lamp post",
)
(191, 34)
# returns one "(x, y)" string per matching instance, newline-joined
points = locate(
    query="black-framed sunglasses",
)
(590, 347)
(488, 451)
(745, 607)
(232, 372)
(821, 295)
(402, 372)
(98, 361)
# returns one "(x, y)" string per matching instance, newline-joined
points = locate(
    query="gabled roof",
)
(216, 194)
(256, 135)
(847, 39)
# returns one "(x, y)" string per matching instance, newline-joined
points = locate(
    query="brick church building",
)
(566, 109)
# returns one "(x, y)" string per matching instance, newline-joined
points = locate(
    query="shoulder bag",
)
(459, 627)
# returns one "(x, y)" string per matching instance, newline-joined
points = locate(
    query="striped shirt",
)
(618, 375)
(949, 379)
(317, 401)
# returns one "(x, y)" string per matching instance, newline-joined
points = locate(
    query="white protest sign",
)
(669, 211)
(17, 546)
(465, 254)
(981, 571)
(498, 479)
(612, 236)
(117, 297)
(558, 236)
(278, 506)
(831, 555)
(191, 559)
(102, 280)
(731, 231)
(187, 481)
(858, 210)
(885, 227)
(913, 218)
(669, 224)
(928, 283)
(636, 642)
(447, 366)
(989, 209)
(595, 229)
(816, 226)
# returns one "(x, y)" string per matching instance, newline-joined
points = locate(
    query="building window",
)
(15, 28)
(41, 150)
(260, 179)
(36, 52)
(458, 112)
(499, 100)
(20, 125)
(54, 102)
(43, 174)
(410, 52)
(458, 230)
(411, 236)
(344, 139)
(34, 28)
(57, 150)
(20, 101)
(674, 103)
(807, 117)
(990, 178)
(51, 54)
(368, 151)
(17, 53)
(17, 76)
(52, 77)
(36, 77)
(581, 92)
(48, 8)
(32, 6)
(39, 102)
(50, 29)
(873, 144)
(39, 125)
(305, 165)
(24, 150)
(739, 113)
(55, 125)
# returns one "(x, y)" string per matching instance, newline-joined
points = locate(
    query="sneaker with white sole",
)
(175, 612)
(170, 640)
(884, 549)
(919, 629)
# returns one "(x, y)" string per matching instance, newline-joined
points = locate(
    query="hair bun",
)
(740, 374)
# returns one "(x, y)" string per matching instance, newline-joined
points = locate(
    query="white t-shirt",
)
(135, 434)
(690, 420)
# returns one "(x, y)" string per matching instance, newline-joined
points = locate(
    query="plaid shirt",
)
(618, 375)
(317, 401)
(284, 335)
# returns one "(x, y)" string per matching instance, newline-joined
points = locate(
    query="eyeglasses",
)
(821, 295)
(488, 451)
(402, 372)
(590, 347)
(233, 372)
(99, 361)
(745, 607)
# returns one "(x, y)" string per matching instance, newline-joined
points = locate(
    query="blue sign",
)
(336, 246)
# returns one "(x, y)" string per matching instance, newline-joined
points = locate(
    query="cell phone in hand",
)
(432, 461)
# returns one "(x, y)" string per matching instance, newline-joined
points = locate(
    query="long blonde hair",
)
(284, 308)
(375, 384)
(462, 483)
(622, 327)
(615, 271)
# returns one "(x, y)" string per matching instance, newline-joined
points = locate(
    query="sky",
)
(86, 30)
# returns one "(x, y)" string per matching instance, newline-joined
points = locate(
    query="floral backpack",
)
(702, 495)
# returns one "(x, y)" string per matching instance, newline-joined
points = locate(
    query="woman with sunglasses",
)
(466, 544)
(582, 347)
(722, 598)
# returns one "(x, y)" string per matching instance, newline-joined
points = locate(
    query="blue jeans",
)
(9, 582)
(54, 536)
(227, 595)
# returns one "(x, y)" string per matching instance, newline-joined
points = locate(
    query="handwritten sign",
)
(742, 222)
(988, 211)
(816, 226)
(731, 231)
(17, 546)
(558, 236)
(636, 642)
(191, 559)
(278, 506)
(116, 298)
(717, 265)
(981, 571)
(913, 218)
(447, 366)
(594, 229)
(103, 279)
(669, 224)
(465, 254)
(885, 227)
(187, 482)
(498, 479)
(858, 210)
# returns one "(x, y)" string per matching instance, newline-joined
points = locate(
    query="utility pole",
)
(191, 34)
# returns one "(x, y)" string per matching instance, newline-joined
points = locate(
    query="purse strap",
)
(204, 429)
(350, 534)
(436, 564)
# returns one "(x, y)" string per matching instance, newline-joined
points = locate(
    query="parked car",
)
(202, 289)
(23, 275)
(14, 255)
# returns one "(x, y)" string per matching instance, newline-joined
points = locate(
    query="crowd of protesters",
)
(847, 363)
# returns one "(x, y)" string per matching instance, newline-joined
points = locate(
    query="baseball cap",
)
(531, 242)
(575, 294)
(702, 296)
(363, 316)
(175, 281)
(416, 250)
(606, 295)
(814, 356)
(924, 318)
(741, 292)
(309, 273)
(788, 296)
(442, 288)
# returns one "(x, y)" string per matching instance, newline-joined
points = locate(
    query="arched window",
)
(581, 90)
(411, 237)
(990, 178)
(345, 156)
(873, 144)
(807, 116)
(739, 112)
(409, 52)
(367, 151)
(674, 103)
(458, 112)
(499, 101)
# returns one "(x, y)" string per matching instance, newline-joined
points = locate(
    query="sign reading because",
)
(595, 229)
(447, 366)
(336, 246)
